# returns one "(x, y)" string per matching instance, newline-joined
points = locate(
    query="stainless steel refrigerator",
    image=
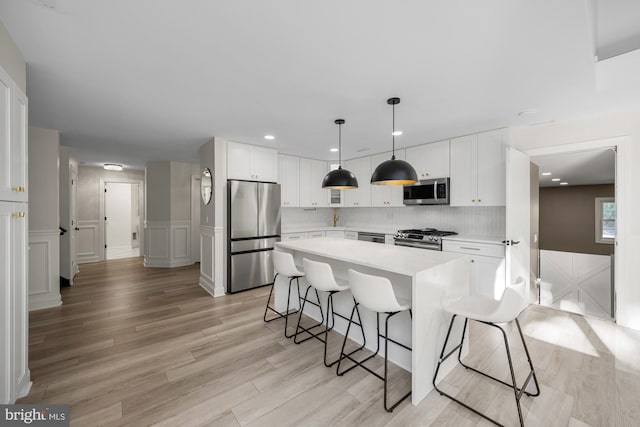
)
(253, 220)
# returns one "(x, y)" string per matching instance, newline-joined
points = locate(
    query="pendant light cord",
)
(393, 132)
(339, 146)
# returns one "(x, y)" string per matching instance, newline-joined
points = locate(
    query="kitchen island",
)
(426, 278)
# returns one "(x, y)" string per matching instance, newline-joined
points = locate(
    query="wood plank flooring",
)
(138, 346)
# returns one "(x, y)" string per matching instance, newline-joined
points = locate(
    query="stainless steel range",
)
(425, 238)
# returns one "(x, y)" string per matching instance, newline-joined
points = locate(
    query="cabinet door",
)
(264, 164)
(289, 167)
(361, 196)
(386, 195)
(430, 160)
(305, 177)
(319, 195)
(6, 209)
(463, 171)
(239, 161)
(436, 160)
(5, 137)
(19, 154)
(487, 277)
(19, 301)
(315, 234)
(491, 169)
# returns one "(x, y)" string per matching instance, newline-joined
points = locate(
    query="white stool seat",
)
(320, 276)
(375, 293)
(284, 265)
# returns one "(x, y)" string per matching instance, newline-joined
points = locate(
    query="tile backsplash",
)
(476, 221)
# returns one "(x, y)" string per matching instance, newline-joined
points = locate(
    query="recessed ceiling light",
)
(396, 133)
(564, 183)
(334, 150)
(545, 173)
(269, 137)
(555, 179)
(112, 167)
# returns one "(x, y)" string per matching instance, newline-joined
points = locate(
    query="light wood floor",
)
(136, 346)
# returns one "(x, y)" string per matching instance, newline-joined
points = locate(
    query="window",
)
(605, 220)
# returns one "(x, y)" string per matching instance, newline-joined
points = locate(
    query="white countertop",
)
(395, 259)
(476, 239)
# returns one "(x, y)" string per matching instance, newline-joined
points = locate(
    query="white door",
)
(117, 205)
(73, 229)
(518, 217)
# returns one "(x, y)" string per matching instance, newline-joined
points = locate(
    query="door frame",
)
(620, 250)
(103, 227)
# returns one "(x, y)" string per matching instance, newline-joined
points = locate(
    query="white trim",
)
(165, 249)
(44, 267)
(94, 255)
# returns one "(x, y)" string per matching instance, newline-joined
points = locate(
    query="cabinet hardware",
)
(18, 214)
(479, 200)
(474, 200)
(19, 189)
(471, 249)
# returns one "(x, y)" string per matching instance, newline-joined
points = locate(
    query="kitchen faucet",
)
(335, 217)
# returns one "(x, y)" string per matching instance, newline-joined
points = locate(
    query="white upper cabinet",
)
(431, 160)
(289, 171)
(312, 172)
(13, 141)
(361, 196)
(478, 170)
(386, 195)
(252, 163)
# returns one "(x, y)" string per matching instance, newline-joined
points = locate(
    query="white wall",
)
(168, 218)
(628, 248)
(118, 213)
(90, 206)
(11, 59)
(44, 238)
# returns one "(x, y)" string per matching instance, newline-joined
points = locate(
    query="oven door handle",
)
(435, 190)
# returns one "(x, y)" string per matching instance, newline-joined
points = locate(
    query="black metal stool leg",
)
(533, 371)
(386, 363)
(300, 329)
(279, 315)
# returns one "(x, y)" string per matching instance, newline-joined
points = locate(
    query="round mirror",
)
(206, 186)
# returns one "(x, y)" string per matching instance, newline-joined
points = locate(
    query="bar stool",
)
(284, 266)
(320, 277)
(490, 312)
(376, 294)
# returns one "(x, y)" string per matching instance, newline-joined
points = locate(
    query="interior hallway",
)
(138, 346)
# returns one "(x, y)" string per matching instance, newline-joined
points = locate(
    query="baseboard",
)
(25, 386)
(165, 264)
(36, 303)
(207, 286)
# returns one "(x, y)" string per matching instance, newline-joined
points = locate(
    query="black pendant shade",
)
(394, 171)
(340, 179)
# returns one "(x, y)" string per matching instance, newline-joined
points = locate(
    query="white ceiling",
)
(129, 81)
(580, 168)
(618, 27)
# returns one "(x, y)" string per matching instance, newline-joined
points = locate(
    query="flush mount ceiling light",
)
(340, 179)
(394, 172)
(334, 150)
(112, 167)
(269, 137)
(545, 173)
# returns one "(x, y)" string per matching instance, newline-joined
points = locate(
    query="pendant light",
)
(394, 171)
(340, 179)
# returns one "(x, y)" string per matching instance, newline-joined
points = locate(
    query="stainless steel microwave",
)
(427, 192)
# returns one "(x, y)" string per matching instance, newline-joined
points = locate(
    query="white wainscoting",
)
(44, 269)
(89, 242)
(575, 282)
(207, 252)
(168, 244)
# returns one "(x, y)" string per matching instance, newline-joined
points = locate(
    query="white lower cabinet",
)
(487, 266)
(14, 370)
(315, 234)
(351, 235)
(335, 233)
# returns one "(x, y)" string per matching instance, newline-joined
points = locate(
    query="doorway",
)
(122, 220)
(577, 231)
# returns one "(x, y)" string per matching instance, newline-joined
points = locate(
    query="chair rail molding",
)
(44, 269)
(168, 244)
